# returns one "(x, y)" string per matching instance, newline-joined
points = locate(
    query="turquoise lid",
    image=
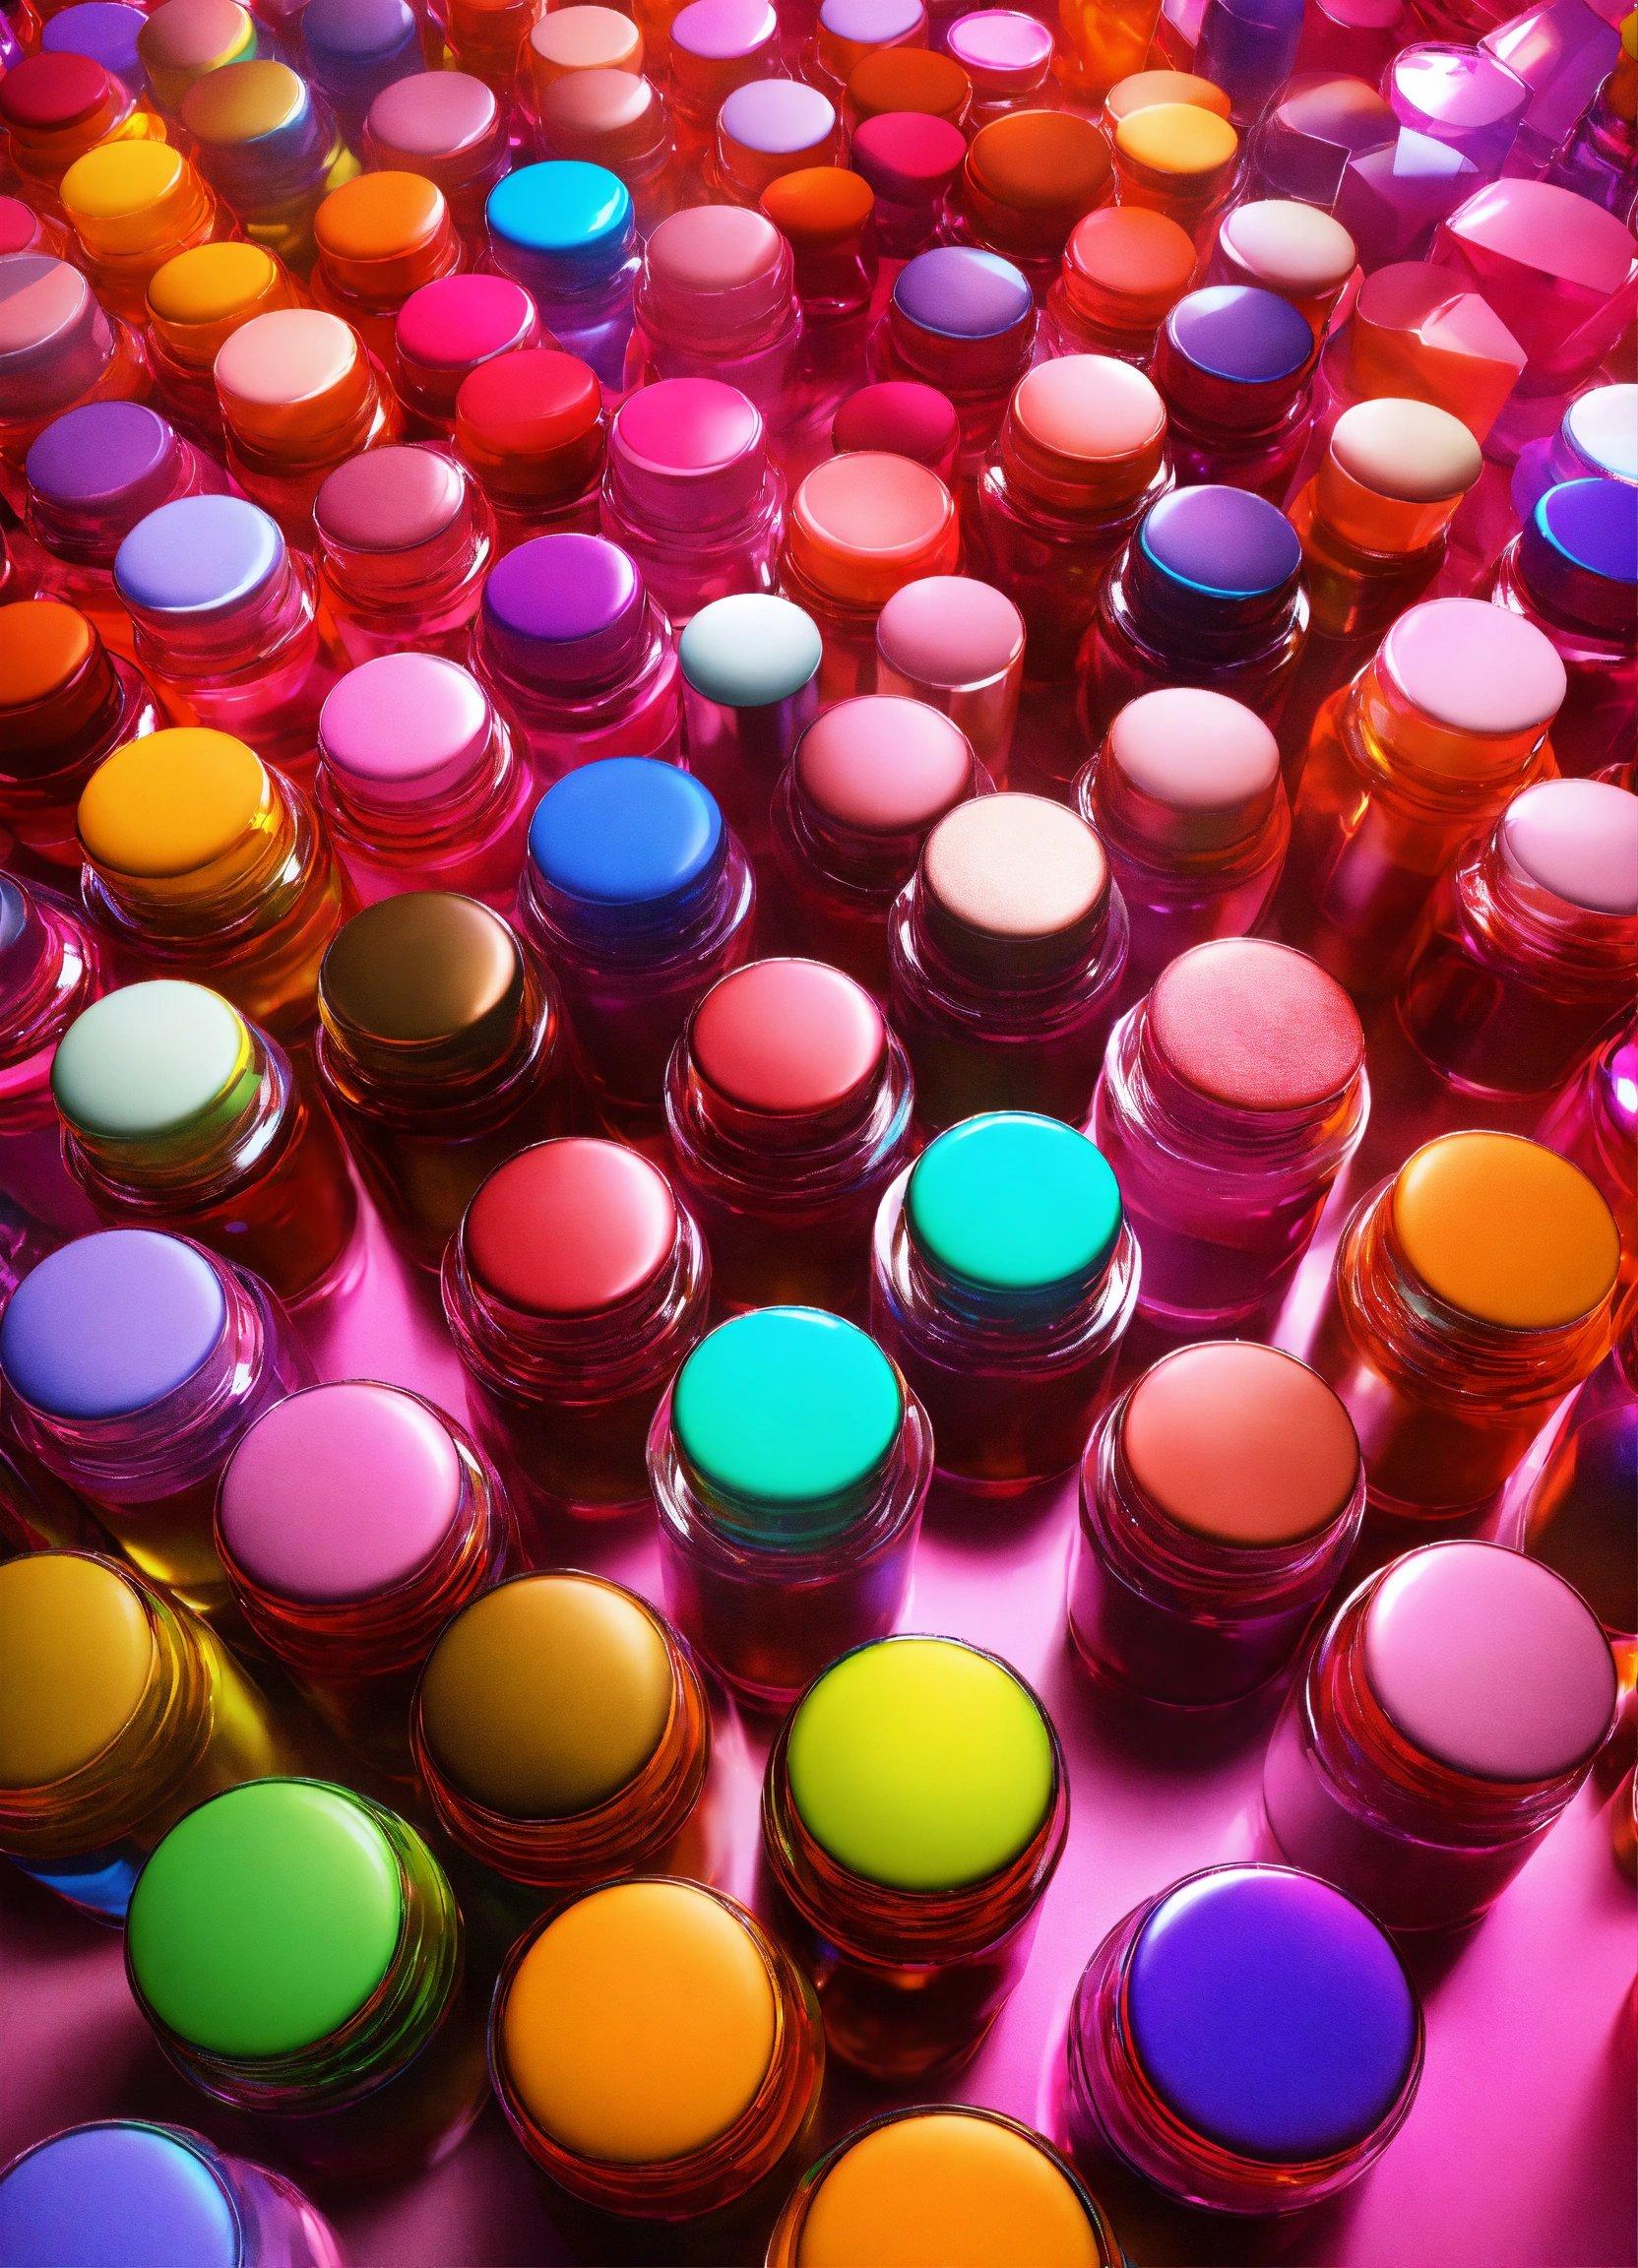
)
(750, 651)
(150, 1060)
(783, 1416)
(561, 224)
(1011, 1202)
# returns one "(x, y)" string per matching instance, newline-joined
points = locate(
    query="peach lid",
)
(1394, 474)
(1254, 1026)
(1089, 424)
(862, 526)
(882, 765)
(1186, 766)
(290, 375)
(1505, 1230)
(1015, 867)
(1128, 266)
(1144, 89)
(1293, 249)
(583, 38)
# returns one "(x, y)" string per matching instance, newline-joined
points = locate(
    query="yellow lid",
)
(76, 1653)
(1178, 138)
(953, 2188)
(130, 197)
(242, 101)
(640, 2023)
(1505, 1230)
(172, 802)
(212, 283)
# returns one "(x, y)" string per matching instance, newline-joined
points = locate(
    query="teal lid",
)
(1010, 1201)
(149, 1060)
(783, 1416)
(266, 1918)
(750, 651)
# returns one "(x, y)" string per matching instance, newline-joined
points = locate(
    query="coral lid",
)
(571, 1228)
(788, 1039)
(1255, 1026)
(863, 525)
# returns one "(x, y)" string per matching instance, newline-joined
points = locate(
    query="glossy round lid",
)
(571, 1228)
(1015, 867)
(1134, 263)
(256, 102)
(1288, 246)
(907, 157)
(198, 555)
(625, 832)
(961, 293)
(564, 611)
(1602, 429)
(820, 208)
(77, 1653)
(42, 646)
(461, 321)
(1240, 1443)
(920, 1764)
(640, 2023)
(105, 29)
(1089, 421)
(212, 284)
(1488, 1661)
(864, 525)
(1041, 162)
(1578, 552)
(1410, 451)
(432, 114)
(574, 219)
(111, 1324)
(286, 367)
(1223, 543)
(423, 968)
(1475, 668)
(265, 1919)
(1002, 50)
(528, 404)
(788, 1039)
(881, 765)
(1195, 752)
(48, 93)
(965, 2187)
(1237, 331)
(148, 1060)
(341, 1492)
(547, 1695)
(124, 198)
(782, 1412)
(1012, 1202)
(117, 456)
(776, 117)
(908, 79)
(1180, 139)
(405, 726)
(900, 417)
(182, 40)
(750, 649)
(1505, 1230)
(1255, 1026)
(950, 631)
(1270, 2014)
(121, 2194)
(1146, 89)
(581, 39)
(1576, 839)
(610, 114)
(172, 802)
(388, 500)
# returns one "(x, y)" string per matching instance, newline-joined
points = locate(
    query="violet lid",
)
(963, 293)
(1579, 553)
(1211, 553)
(563, 611)
(111, 453)
(122, 2194)
(1240, 333)
(196, 555)
(109, 1325)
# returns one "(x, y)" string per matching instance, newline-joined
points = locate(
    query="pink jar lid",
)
(1475, 668)
(723, 30)
(460, 321)
(950, 631)
(575, 1226)
(788, 1039)
(1002, 50)
(340, 1492)
(406, 726)
(1489, 1662)
(901, 417)
(862, 526)
(881, 765)
(431, 114)
(1576, 839)
(713, 273)
(1255, 1026)
(908, 157)
(1200, 771)
(684, 451)
(392, 499)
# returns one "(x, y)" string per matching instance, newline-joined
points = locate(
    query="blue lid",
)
(111, 1324)
(963, 293)
(626, 834)
(561, 224)
(1223, 543)
(105, 30)
(1271, 2013)
(198, 554)
(117, 2195)
(1240, 333)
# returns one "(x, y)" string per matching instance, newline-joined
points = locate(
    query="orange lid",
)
(76, 1654)
(1176, 143)
(1126, 267)
(174, 804)
(382, 236)
(908, 79)
(1030, 175)
(819, 206)
(1506, 1232)
(862, 526)
(289, 381)
(42, 645)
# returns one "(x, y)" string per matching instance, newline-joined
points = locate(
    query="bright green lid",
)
(148, 1060)
(749, 650)
(786, 1413)
(1010, 1201)
(265, 1919)
(921, 1763)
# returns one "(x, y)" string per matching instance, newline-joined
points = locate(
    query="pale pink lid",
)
(392, 499)
(883, 765)
(1579, 840)
(1488, 1661)
(950, 631)
(1475, 667)
(340, 1492)
(1198, 754)
(406, 726)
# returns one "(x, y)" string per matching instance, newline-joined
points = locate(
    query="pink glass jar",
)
(750, 689)
(1220, 1498)
(133, 1361)
(405, 541)
(787, 1540)
(59, 347)
(1006, 951)
(1125, 268)
(1573, 571)
(450, 128)
(957, 645)
(577, 656)
(449, 329)
(1231, 1099)
(1405, 766)
(1530, 953)
(789, 1105)
(690, 494)
(1186, 797)
(1081, 456)
(860, 529)
(575, 1286)
(52, 969)
(1004, 1278)
(1234, 364)
(962, 320)
(529, 427)
(869, 780)
(300, 394)
(1446, 1719)
(420, 783)
(380, 236)
(66, 703)
(1594, 1124)
(716, 298)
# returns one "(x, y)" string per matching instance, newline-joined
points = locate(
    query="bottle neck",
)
(456, 1080)
(1183, 620)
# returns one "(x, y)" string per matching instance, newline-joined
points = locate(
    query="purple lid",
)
(99, 470)
(1241, 334)
(962, 293)
(1270, 2014)
(1247, 47)
(564, 611)
(122, 2194)
(1578, 552)
(1206, 550)
(196, 555)
(109, 1325)
(105, 30)
(346, 38)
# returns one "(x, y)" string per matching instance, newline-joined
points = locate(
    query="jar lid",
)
(883, 766)
(1287, 247)
(640, 2023)
(55, 342)
(406, 726)
(907, 156)
(788, 1039)
(1012, 1202)
(777, 118)
(1032, 173)
(104, 30)
(950, 631)
(547, 1695)
(265, 1919)
(340, 1492)
(197, 297)
(1002, 50)
(957, 292)
(626, 834)
(347, 43)
(1221, 545)
(900, 417)
(147, 1062)
(120, 2189)
(118, 458)
(172, 802)
(565, 610)
(680, 441)
(377, 217)
(1254, 1026)
(198, 554)
(426, 972)
(1017, 870)
(750, 649)
(130, 200)
(434, 115)
(921, 1764)
(1181, 141)
(1126, 264)
(575, 1226)
(461, 322)
(863, 525)
(571, 220)
(1270, 2014)
(1475, 668)
(1506, 1232)
(1239, 334)
(49, 94)
(1579, 550)
(77, 1653)
(1578, 839)
(183, 40)
(580, 38)
(530, 422)
(1489, 1662)
(908, 79)
(291, 376)
(1202, 770)
(109, 1326)
(388, 500)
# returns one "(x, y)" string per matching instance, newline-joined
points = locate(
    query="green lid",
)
(784, 1412)
(266, 1917)
(749, 650)
(1010, 1201)
(148, 1060)
(921, 1763)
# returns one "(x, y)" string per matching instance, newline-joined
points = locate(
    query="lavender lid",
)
(109, 1325)
(105, 30)
(113, 459)
(1579, 553)
(564, 611)
(1216, 549)
(963, 293)
(196, 555)
(1241, 334)
(122, 2194)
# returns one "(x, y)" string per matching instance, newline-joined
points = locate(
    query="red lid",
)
(788, 1037)
(530, 422)
(904, 419)
(1256, 1026)
(571, 1228)
(44, 92)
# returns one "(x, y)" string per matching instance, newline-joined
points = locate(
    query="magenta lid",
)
(1576, 839)
(950, 631)
(406, 726)
(902, 418)
(1475, 668)
(563, 611)
(686, 452)
(459, 321)
(1488, 1661)
(723, 30)
(340, 1492)
(908, 157)
(388, 500)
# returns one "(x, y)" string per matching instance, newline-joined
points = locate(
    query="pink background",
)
(1519, 2152)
